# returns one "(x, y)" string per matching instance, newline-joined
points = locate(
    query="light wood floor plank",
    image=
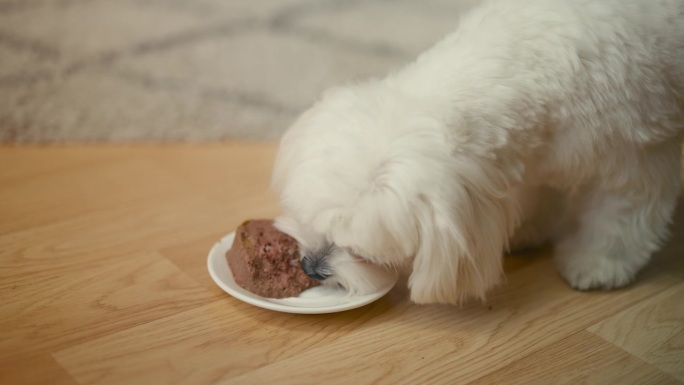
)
(115, 294)
(581, 358)
(103, 281)
(37, 370)
(652, 330)
(448, 345)
(402, 344)
(20, 163)
(69, 193)
(206, 344)
(118, 230)
(189, 258)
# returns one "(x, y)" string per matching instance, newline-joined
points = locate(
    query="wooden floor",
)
(103, 281)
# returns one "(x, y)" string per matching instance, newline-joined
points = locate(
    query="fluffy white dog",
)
(535, 120)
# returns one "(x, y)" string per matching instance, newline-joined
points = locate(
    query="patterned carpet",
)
(193, 70)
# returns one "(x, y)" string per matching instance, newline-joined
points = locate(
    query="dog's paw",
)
(595, 272)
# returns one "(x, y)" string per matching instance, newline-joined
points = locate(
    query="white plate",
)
(316, 300)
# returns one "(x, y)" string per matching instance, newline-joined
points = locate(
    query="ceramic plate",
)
(316, 300)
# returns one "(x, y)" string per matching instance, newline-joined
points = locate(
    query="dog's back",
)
(592, 74)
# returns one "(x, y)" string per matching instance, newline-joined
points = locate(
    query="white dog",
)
(536, 120)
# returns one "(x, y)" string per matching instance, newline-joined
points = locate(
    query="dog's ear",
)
(461, 248)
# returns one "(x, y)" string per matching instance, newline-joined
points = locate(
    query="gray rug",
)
(193, 70)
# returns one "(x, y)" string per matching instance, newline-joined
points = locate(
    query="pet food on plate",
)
(265, 261)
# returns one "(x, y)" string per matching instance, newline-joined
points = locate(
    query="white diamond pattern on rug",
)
(193, 70)
(280, 70)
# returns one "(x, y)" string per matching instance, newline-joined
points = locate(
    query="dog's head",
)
(369, 182)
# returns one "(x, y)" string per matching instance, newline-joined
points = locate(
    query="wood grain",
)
(103, 281)
(37, 370)
(78, 191)
(93, 300)
(652, 330)
(206, 344)
(581, 358)
(533, 311)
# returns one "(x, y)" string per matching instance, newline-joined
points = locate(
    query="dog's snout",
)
(314, 268)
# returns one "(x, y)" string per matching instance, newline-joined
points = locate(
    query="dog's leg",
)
(541, 211)
(618, 230)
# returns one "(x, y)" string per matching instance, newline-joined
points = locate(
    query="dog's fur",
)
(535, 120)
